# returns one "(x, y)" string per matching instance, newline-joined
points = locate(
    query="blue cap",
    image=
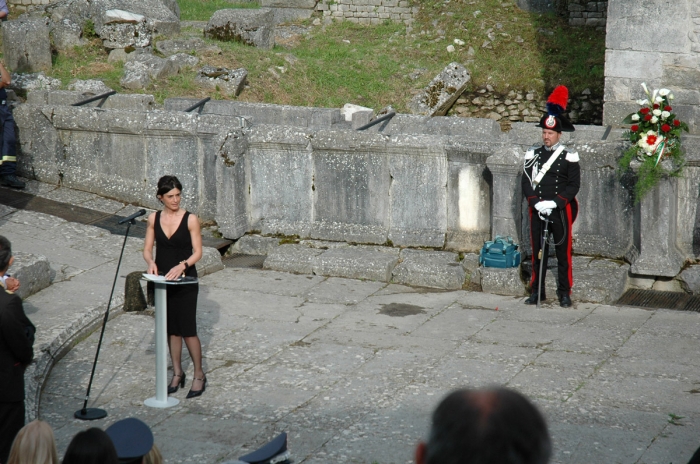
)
(131, 437)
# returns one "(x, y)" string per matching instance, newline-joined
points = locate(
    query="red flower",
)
(667, 108)
(676, 122)
(634, 128)
(647, 117)
(656, 106)
(651, 139)
(644, 110)
(665, 128)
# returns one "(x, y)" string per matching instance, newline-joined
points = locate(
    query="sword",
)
(539, 276)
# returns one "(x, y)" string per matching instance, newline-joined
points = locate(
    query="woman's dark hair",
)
(167, 183)
(91, 446)
(5, 253)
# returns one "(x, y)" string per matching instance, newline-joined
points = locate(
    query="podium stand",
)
(162, 400)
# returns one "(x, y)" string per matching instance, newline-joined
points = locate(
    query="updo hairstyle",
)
(166, 184)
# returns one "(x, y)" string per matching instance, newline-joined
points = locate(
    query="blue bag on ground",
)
(501, 252)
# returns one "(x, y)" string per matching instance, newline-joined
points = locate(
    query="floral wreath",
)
(655, 134)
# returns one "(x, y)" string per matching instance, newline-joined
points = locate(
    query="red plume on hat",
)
(556, 103)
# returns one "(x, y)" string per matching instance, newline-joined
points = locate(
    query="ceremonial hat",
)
(554, 119)
(131, 437)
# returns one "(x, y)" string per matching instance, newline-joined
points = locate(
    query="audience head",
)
(166, 184)
(34, 444)
(486, 426)
(91, 446)
(132, 438)
(153, 456)
(5, 254)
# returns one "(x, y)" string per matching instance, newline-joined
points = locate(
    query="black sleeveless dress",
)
(182, 299)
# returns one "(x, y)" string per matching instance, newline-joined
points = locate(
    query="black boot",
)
(10, 180)
(564, 299)
(532, 300)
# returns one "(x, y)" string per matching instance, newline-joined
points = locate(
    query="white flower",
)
(654, 95)
(644, 86)
(651, 132)
(670, 96)
(665, 114)
(664, 92)
(656, 112)
(659, 99)
(643, 102)
(635, 117)
(654, 120)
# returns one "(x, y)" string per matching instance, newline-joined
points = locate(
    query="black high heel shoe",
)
(180, 384)
(195, 393)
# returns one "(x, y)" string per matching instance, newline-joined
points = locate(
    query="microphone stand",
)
(96, 413)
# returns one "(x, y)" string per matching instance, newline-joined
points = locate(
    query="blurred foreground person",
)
(486, 426)
(91, 446)
(16, 352)
(34, 444)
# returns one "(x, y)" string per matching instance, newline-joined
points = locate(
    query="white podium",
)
(162, 400)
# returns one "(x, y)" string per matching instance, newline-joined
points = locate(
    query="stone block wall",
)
(666, 55)
(20, 6)
(369, 11)
(588, 13)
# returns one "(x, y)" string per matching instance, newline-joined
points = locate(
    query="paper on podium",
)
(154, 277)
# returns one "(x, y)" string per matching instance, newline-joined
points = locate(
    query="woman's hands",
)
(176, 272)
(152, 268)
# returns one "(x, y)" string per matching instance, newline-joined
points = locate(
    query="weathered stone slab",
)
(690, 279)
(124, 101)
(193, 44)
(230, 81)
(89, 87)
(256, 245)
(36, 81)
(122, 29)
(66, 34)
(32, 271)
(160, 20)
(502, 281)
(141, 68)
(299, 259)
(361, 262)
(439, 269)
(248, 26)
(183, 60)
(210, 262)
(418, 207)
(231, 191)
(439, 96)
(26, 45)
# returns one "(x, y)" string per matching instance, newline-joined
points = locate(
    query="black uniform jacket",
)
(560, 184)
(16, 352)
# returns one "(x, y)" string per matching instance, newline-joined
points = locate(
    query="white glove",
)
(547, 204)
(546, 212)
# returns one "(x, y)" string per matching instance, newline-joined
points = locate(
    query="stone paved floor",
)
(352, 369)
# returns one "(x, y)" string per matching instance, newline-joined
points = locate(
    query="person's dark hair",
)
(489, 426)
(91, 446)
(167, 183)
(5, 253)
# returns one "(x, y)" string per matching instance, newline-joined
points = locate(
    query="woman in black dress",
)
(178, 239)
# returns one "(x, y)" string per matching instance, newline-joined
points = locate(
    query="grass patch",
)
(386, 64)
(201, 10)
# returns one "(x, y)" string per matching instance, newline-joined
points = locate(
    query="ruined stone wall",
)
(588, 13)
(658, 44)
(441, 182)
(369, 11)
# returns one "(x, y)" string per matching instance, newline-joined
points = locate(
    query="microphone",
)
(133, 216)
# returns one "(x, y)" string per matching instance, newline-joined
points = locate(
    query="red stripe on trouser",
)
(569, 257)
(532, 247)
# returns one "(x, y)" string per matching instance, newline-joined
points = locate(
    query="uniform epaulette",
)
(572, 157)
